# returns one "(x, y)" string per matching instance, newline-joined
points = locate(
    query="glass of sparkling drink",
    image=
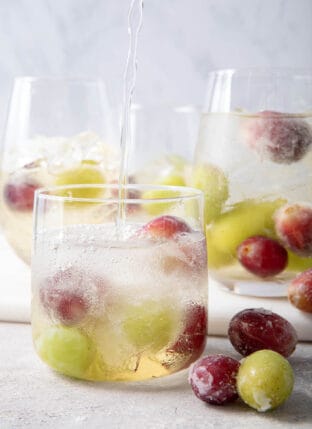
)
(59, 131)
(119, 285)
(253, 161)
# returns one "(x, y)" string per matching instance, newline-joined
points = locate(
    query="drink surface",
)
(131, 309)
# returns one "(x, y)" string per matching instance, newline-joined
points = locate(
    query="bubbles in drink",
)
(141, 320)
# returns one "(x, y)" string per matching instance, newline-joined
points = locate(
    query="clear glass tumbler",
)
(253, 160)
(119, 299)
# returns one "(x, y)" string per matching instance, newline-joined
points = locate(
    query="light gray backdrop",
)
(180, 42)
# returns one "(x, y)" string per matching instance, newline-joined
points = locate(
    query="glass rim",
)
(263, 71)
(51, 78)
(186, 193)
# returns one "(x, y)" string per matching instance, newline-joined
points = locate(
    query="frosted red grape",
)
(262, 256)
(300, 291)
(279, 138)
(293, 224)
(64, 295)
(257, 329)
(213, 379)
(164, 227)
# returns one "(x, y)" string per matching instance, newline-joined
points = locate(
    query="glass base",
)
(264, 289)
(261, 289)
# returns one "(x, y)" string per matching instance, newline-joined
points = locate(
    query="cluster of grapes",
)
(264, 378)
(265, 257)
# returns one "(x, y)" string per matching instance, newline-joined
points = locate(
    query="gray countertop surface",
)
(33, 396)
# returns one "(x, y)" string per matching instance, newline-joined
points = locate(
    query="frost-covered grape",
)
(281, 139)
(256, 329)
(213, 379)
(265, 380)
(293, 224)
(300, 291)
(68, 295)
(65, 349)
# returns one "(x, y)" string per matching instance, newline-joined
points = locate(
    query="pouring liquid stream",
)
(135, 18)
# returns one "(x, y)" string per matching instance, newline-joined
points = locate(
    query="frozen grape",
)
(65, 349)
(213, 379)
(262, 256)
(300, 291)
(69, 307)
(293, 224)
(149, 325)
(265, 380)
(20, 195)
(214, 183)
(64, 295)
(256, 329)
(278, 137)
(164, 227)
(193, 338)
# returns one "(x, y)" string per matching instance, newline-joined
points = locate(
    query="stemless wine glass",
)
(59, 131)
(118, 299)
(253, 159)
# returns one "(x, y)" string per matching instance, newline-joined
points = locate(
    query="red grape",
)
(280, 138)
(20, 196)
(193, 338)
(164, 227)
(262, 256)
(213, 379)
(69, 307)
(67, 295)
(300, 291)
(256, 329)
(293, 224)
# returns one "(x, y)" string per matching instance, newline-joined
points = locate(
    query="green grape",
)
(87, 173)
(157, 208)
(245, 219)
(298, 263)
(217, 258)
(173, 179)
(213, 182)
(265, 380)
(65, 349)
(149, 325)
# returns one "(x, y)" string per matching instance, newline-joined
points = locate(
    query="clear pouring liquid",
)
(135, 18)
